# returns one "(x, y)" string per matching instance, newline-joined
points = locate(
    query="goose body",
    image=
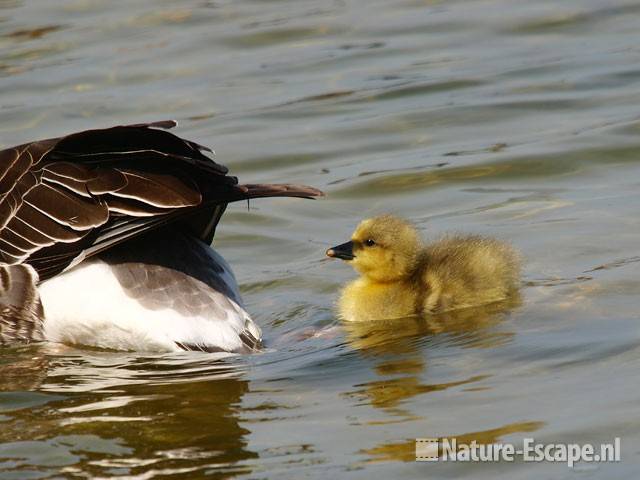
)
(161, 293)
(402, 277)
(104, 242)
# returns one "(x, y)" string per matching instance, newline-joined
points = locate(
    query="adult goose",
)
(104, 242)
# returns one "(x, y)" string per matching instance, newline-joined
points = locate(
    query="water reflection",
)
(22, 368)
(400, 352)
(173, 414)
(469, 326)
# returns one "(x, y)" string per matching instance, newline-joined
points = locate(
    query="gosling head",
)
(383, 249)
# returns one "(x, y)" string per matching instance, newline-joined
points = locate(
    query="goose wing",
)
(67, 198)
(20, 308)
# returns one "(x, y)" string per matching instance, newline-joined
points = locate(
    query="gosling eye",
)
(369, 242)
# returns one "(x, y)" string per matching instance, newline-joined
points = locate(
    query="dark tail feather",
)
(261, 190)
(204, 223)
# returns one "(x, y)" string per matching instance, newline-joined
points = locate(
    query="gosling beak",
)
(344, 251)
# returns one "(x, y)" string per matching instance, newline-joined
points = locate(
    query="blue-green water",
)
(510, 118)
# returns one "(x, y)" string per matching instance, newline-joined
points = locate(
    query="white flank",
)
(87, 306)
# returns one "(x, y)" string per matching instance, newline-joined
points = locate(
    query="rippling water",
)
(511, 118)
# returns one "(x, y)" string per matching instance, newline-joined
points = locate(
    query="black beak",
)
(344, 251)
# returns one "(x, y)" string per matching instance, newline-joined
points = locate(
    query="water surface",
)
(510, 118)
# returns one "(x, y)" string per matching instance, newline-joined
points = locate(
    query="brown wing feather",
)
(21, 312)
(162, 191)
(66, 198)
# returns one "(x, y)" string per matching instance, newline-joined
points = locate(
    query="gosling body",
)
(401, 276)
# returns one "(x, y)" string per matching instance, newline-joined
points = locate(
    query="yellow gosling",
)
(401, 276)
